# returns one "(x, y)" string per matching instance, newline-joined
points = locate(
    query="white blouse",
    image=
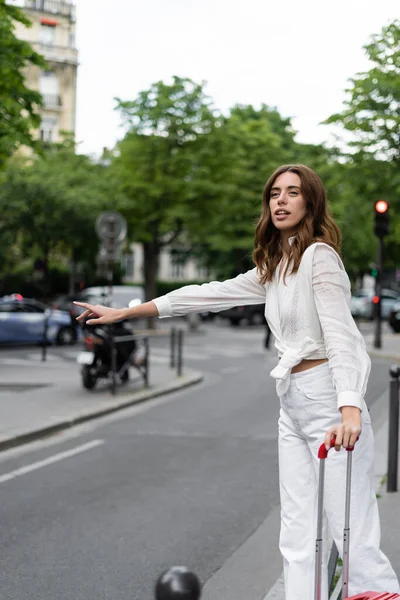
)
(308, 313)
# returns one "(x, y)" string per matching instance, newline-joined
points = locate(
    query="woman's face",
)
(286, 202)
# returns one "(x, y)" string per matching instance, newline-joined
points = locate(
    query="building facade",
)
(53, 35)
(171, 267)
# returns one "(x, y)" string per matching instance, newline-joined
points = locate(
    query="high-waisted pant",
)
(308, 410)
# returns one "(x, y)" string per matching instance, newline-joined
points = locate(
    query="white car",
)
(121, 295)
(362, 306)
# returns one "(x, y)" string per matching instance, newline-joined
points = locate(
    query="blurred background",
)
(136, 138)
(174, 114)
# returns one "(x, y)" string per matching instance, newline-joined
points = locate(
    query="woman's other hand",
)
(348, 431)
(101, 314)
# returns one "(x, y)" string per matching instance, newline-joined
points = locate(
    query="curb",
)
(387, 356)
(147, 394)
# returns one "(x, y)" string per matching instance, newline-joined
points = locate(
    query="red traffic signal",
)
(375, 300)
(381, 218)
(381, 206)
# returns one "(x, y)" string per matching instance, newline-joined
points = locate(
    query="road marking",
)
(49, 461)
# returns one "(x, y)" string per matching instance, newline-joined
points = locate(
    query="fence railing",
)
(52, 101)
(54, 7)
(59, 54)
(141, 363)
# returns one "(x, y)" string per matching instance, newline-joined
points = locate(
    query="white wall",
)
(168, 271)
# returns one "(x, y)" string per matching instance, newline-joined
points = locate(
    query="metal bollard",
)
(45, 342)
(146, 361)
(113, 367)
(180, 352)
(393, 447)
(178, 583)
(172, 341)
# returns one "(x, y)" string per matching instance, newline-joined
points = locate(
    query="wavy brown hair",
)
(318, 224)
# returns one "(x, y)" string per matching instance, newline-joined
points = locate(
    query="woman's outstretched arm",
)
(99, 314)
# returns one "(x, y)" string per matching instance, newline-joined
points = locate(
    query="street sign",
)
(110, 257)
(110, 250)
(111, 225)
(111, 229)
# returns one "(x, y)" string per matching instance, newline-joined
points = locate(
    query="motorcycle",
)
(96, 357)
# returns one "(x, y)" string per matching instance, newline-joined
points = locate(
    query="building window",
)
(48, 130)
(177, 270)
(129, 265)
(48, 83)
(48, 88)
(47, 34)
(177, 263)
(202, 272)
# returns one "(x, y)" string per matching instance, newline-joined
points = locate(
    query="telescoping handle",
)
(322, 455)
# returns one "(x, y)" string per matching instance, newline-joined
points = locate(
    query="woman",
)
(321, 376)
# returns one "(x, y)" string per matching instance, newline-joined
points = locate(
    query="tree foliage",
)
(372, 108)
(18, 104)
(233, 166)
(49, 205)
(372, 115)
(155, 162)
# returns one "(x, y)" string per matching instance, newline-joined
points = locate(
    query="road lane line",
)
(49, 461)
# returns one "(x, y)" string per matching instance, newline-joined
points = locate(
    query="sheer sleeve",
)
(214, 296)
(345, 346)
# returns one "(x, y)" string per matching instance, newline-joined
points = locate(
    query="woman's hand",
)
(348, 432)
(103, 314)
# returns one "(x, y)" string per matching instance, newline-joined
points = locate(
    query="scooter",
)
(96, 357)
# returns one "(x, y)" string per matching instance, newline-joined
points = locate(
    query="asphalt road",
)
(99, 512)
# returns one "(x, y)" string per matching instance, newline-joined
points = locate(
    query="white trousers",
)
(308, 410)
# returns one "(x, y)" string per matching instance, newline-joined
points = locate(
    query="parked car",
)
(23, 320)
(394, 317)
(66, 302)
(122, 295)
(362, 306)
(252, 314)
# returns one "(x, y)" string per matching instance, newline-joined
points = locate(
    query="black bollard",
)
(178, 583)
(394, 409)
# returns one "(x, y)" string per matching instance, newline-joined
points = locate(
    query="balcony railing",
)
(53, 7)
(61, 54)
(52, 101)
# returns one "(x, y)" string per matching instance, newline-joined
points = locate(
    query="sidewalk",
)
(388, 502)
(390, 346)
(42, 398)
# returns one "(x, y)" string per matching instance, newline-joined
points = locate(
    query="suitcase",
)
(322, 455)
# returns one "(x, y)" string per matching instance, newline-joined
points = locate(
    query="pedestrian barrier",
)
(176, 350)
(141, 364)
(393, 447)
(45, 341)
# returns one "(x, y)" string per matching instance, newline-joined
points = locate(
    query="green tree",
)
(18, 103)
(49, 206)
(372, 107)
(154, 164)
(372, 115)
(235, 163)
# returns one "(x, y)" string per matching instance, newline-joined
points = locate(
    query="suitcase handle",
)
(323, 452)
(322, 455)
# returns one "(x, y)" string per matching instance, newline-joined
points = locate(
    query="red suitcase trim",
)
(322, 455)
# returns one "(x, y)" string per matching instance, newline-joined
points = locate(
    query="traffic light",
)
(381, 218)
